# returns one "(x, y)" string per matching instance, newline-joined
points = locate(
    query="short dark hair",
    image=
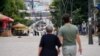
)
(66, 18)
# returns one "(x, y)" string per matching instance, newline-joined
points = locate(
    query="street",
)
(28, 46)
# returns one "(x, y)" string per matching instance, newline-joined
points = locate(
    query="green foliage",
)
(64, 6)
(11, 8)
(56, 13)
(23, 21)
(77, 17)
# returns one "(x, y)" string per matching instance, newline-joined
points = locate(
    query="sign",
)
(98, 6)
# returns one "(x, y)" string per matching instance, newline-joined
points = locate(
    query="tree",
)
(11, 8)
(56, 13)
(70, 6)
(77, 17)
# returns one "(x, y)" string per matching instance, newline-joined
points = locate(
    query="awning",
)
(20, 26)
(5, 18)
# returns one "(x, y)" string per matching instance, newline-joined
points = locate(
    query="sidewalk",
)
(90, 50)
(28, 46)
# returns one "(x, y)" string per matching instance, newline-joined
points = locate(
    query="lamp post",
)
(90, 31)
(90, 14)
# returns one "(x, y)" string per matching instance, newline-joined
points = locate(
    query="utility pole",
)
(90, 3)
(32, 3)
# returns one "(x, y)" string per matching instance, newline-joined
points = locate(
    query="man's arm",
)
(61, 39)
(79, 43)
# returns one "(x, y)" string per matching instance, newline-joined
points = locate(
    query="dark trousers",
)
(99, 39)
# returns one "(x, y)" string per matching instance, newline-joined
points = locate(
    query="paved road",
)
(28, 46)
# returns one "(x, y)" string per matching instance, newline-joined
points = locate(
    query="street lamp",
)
(90, 20)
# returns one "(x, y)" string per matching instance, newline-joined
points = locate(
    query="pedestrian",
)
(84, 27)
(48, 44)
(69, 35)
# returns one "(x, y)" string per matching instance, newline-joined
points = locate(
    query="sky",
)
(49, 1)
(42, 8)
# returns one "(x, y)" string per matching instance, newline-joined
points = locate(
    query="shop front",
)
(20, 30)
(5, 25)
